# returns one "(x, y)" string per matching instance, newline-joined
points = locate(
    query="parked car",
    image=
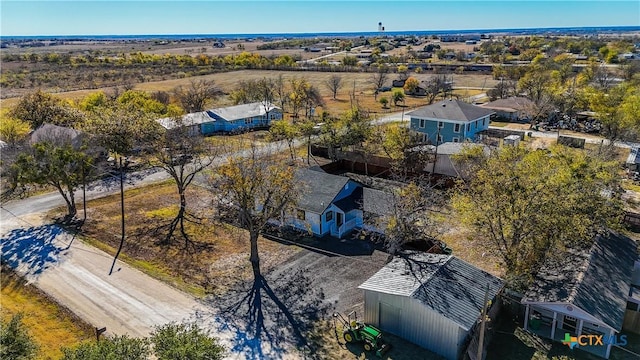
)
(384, 89)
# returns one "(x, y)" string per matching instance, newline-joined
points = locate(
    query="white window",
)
(248, 121)
(440, 124)
(329, 216)
(425, 137)
(456, 128)
(456, 139)
(439, 138)
(422, 122)
(483, 119)
(469, 127)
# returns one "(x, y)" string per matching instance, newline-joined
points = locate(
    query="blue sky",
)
(101, 17)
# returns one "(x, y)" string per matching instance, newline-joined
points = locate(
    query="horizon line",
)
(320, 33)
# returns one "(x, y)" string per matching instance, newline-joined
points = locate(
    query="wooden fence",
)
(631, 321)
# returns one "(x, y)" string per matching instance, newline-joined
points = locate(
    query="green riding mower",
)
(357, 331)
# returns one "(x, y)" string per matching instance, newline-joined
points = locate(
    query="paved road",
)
(77, 275)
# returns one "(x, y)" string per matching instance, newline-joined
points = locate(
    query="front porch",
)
(558, 326)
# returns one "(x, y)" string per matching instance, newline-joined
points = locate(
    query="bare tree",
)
(334, 84)
(254, 190)
(281, 91)
(409, 216)
(266, 94)
(379, 78)
(183, 154)
(195, 97)
(434, 86)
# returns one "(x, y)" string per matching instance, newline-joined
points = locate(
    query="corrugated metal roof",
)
(451, 110)
(448, 285)
(319, 189)
(187, 120)
(634, 156)
(596, 280)
(450, 148)
(243, 111)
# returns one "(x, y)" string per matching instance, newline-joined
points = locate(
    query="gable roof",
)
(451, 110)
(187, 120)
(510, 104)
(56, 134)
(377, 202)
(447, 285)
(595, 280)
(238, 112)
(319, 189)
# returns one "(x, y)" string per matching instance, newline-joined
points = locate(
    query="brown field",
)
(51, 326)
(363, 89)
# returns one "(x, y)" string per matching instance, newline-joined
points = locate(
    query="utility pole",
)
(121, 215)
(84, 194)
(482, 324)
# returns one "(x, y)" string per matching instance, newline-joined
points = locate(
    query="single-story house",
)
(398, 82)
(460, 37)
(432, 300)
(584, 292)
(327, 204)
(192, 122)
(449, 121)
(236, 118)
(418, 91)
(514, 108)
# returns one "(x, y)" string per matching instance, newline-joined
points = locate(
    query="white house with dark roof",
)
(327, 204)
(432, 300)
(585, 292)
(449, 121)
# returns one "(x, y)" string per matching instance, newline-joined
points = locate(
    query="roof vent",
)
(444, 105)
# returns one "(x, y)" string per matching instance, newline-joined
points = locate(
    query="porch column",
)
(580, 323)
(611, 332)
(526, 318)
(553, 325)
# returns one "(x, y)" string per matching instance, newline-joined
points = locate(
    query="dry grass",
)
(332, 346)
(218, 259)
(51, 325)
(363, 90)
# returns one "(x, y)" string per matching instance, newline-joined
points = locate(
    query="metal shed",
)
(432, 300)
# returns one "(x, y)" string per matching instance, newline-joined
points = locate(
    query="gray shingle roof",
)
(596, 280)
(451, 110)
(447, 285)
(319, 189)
(377, 202)
(238, 112)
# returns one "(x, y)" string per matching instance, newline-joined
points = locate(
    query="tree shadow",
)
(268, 322)
(168, 233)
(31, 251)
